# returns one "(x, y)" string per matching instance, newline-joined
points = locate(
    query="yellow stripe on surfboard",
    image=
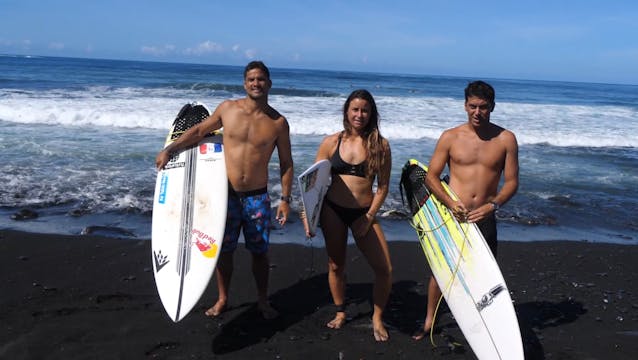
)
(431, 246)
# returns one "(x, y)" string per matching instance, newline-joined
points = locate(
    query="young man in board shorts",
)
(477, 153)
(252, 131)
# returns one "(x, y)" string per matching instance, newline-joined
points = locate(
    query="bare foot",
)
(421, 333)
(216, 309)
(338, 321)
(380, 333)
(267, 311)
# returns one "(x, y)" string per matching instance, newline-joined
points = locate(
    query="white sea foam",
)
(402, 118)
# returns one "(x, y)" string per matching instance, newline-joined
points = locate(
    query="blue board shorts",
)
(251, 212)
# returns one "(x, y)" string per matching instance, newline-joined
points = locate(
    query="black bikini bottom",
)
(347, 215)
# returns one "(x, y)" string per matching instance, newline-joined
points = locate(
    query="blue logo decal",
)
(162, 190)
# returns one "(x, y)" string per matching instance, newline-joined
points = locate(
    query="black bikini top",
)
(341, 167)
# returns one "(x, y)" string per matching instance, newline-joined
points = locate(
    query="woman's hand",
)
(363, 225)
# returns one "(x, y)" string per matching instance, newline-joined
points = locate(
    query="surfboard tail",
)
(412, 186)
(188, 116)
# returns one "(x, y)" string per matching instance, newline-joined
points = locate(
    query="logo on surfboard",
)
(162, 190)
(211, 152)
(205, 243)
(488, 299)
(160, 260)
(210, 148)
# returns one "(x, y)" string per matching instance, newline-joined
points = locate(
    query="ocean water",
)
(79, 137)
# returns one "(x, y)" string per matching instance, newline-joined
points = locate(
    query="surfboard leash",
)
(302, 216)
(448, 286)
(454, 276)
(312, 255)
(422, 232)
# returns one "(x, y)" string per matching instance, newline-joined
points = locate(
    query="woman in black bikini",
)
(359, 155)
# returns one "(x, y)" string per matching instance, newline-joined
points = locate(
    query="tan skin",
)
(476, 153)
(356, 192)
(252, 131)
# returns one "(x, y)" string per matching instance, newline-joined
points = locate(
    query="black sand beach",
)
(85, 297)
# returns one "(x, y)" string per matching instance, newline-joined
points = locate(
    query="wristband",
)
(495, 205)
(287, 199)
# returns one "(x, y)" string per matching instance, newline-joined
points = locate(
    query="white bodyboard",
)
(313, 184)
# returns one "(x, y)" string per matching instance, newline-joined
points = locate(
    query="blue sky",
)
(590, 41)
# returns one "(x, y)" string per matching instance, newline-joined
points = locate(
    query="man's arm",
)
(510, 171)
(440, 158)
(191, 136)
(285, 171)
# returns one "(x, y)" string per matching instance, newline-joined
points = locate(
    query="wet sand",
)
(91, 297)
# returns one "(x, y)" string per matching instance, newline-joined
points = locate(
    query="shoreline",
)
(395, 229)
(79, 296)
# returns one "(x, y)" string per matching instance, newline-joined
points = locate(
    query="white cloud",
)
(236, 48)
(20, 45)
(158, 50)
(205, 48)
(250, 53)
(26, 44)
(56, 46)
(629, 54)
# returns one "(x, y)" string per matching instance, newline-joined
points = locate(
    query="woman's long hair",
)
(372, 139)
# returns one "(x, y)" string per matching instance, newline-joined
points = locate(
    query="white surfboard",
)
(313, 184)
(189, 216)
(466, 271)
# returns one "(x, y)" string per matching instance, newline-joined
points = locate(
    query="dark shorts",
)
(251, 212)
(488, 229)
